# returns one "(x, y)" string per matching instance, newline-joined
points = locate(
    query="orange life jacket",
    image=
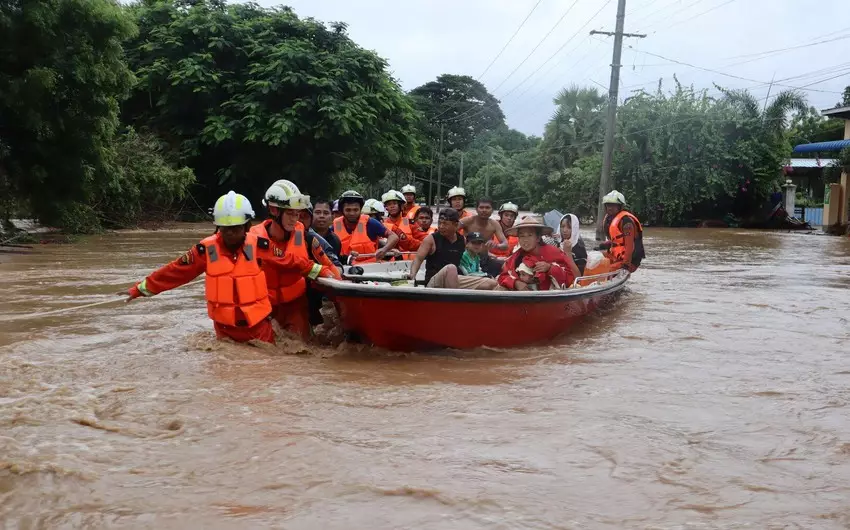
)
(618, 239)
(402, 224)
(357, 240)
(285, 285)
(235, 285)
(513, 241)
(412, 212)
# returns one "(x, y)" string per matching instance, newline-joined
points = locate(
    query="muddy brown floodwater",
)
(715, 394)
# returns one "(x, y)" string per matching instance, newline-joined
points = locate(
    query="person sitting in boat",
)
(540, 281)
(237, 292)
(395, 219)
(422, 228)
(547, 259)
(456, 197)
(572, 243)
(470, 262)
(410, 208)
(490, 229)
(624, 246)
(442, 252)
(359, 234)
(508, 213)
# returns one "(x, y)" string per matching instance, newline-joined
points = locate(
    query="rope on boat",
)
(84, 306)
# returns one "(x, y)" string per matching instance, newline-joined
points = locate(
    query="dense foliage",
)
(248, 95)
(62, 75)
(460, 105)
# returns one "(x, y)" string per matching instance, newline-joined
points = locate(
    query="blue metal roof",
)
(836, 145)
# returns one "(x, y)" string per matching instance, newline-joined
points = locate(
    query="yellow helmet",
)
(392, 195)
(284, 194)
(233, 209)
(457, 191)
(614, 197)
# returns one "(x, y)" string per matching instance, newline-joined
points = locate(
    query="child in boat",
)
(539, 281)
(470, 262)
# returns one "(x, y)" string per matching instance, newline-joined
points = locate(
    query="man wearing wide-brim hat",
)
(547, 259)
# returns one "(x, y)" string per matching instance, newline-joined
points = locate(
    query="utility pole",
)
(613, 86)
(461, 169)
(440, 171)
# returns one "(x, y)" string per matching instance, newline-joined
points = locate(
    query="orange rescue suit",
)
(513, 241)
(357, 240)
(410, 211)
(286, 284)
(401, 227)
(418, 236)
(237, 298)
(620, 244)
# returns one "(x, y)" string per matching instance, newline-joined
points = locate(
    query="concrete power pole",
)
(440, 172)
(461, 169)
(613, 92)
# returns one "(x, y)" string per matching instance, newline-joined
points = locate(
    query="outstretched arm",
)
(425, 250)
(179, 272)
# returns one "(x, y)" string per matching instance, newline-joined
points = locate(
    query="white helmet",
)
(373, 206)
(284, 194)
(408, 188)
(509, 207)
(392, 195)
(233, 209)
(456, 192)
(615, 197)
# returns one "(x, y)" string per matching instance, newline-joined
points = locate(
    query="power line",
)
(486, 107)
(537, 46)
(695, 16)
(496, 58)
(718, 72)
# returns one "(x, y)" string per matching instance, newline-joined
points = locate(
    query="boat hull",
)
(407, 319)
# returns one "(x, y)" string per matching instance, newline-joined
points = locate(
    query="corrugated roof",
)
(837, 112)
(811, 162)
(836, 145)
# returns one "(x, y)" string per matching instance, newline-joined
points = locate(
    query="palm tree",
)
(576, 126)
(773, 117)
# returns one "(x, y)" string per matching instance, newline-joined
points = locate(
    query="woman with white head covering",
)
(571, 242)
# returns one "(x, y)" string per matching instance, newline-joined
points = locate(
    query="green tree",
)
(460, 104)
(247, 95)
(809, 126)
(62, 74)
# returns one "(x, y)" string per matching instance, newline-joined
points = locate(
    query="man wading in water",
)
(492, 232)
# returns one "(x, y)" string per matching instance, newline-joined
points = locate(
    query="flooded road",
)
(715, 394)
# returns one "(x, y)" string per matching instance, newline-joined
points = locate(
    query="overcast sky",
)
(422, 39)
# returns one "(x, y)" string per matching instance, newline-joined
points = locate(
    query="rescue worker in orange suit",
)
(422, 228)
(237, 297)
(396, 220)
(410, 208)
(456, 197)
(359, 234)
(319, 250)
(287, 286)
(624, 246)
(507, 217)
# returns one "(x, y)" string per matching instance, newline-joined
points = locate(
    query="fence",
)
(813, 216)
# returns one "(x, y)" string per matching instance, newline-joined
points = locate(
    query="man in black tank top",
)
(441, 252)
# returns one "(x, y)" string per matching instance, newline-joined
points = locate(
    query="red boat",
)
(458, 318)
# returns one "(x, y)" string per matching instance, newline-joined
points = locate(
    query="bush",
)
(144, 186)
